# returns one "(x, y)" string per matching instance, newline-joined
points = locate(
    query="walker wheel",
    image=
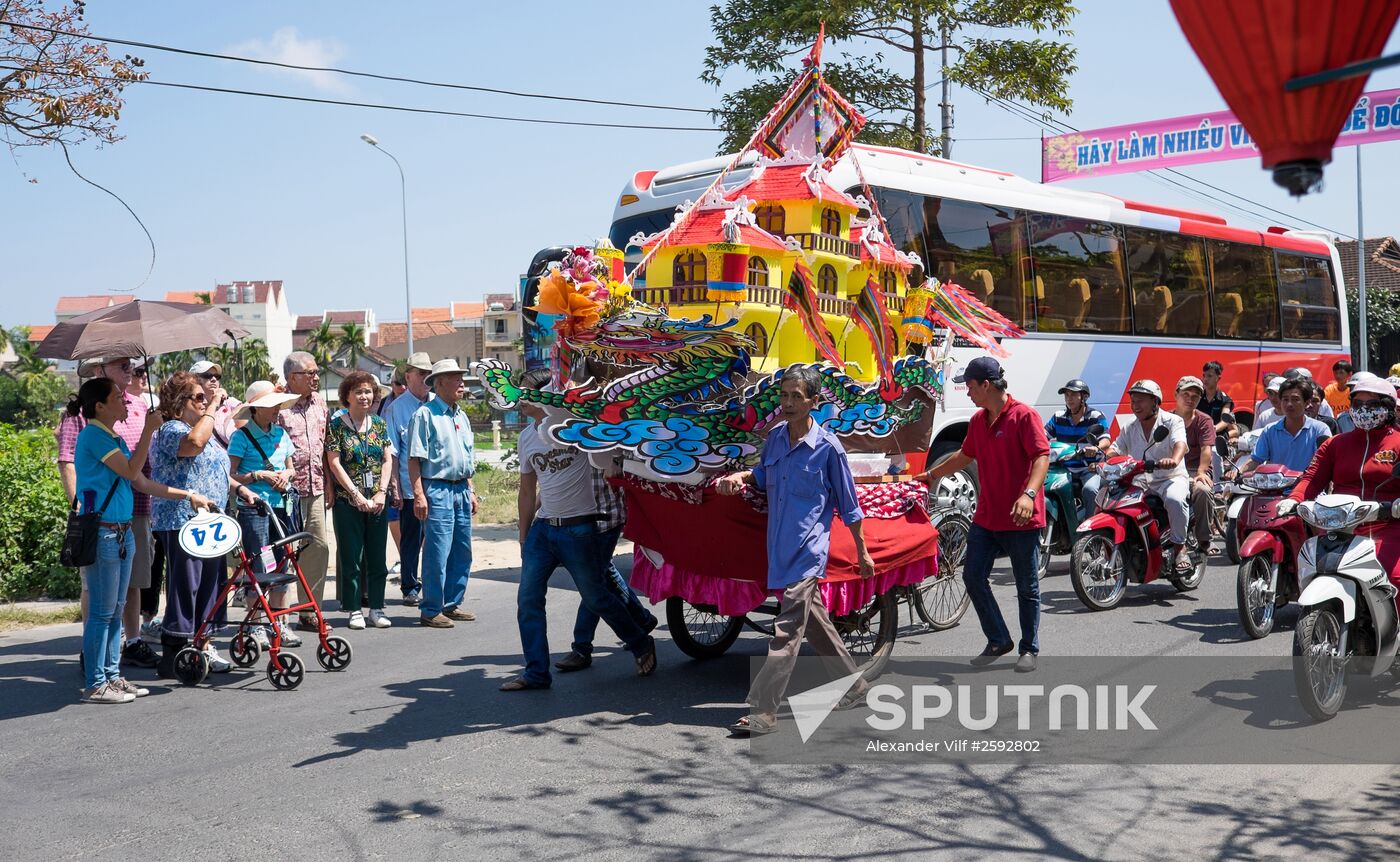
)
(334, 654)
(285, 670)
(244, 651)
(191, 666)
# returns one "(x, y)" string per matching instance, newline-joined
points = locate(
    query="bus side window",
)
(1169, 283)
(1246, 298)
(1308, 296)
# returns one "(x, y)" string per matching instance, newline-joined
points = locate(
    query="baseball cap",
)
(204, 366)
(981, 368)
(1147, 387)
(1190, 381)
(1276, 384)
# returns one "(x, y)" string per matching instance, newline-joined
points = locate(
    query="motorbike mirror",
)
(1160, 434)
(1096, 431)
(1227, 416)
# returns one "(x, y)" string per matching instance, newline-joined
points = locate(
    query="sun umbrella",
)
(140, 328)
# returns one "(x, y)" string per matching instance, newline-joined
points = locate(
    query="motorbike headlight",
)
(1270, 481)
(1332, 518)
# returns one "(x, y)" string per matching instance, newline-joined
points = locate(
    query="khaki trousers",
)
(802, 613)
(317, 554)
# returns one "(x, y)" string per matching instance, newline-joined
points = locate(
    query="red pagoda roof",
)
(787, 183)
(707, 226)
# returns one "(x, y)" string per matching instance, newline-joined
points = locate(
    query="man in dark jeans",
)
(399, 414)
(1007, 440)
(559, 521)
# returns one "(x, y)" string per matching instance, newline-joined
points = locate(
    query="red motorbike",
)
(1123, 542)
(1268, 576)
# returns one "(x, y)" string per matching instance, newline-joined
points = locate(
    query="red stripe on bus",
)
(1297, 243)
(1193, 215)
(1221, 231)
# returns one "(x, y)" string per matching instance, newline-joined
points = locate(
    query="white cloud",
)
(286, 45)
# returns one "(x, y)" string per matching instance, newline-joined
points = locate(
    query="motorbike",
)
(1268, 572)
(1063, 510)
(1348, 617)
(1236, 497)
(1123, 541)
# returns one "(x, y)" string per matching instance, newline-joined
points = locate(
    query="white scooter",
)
(1347, 603)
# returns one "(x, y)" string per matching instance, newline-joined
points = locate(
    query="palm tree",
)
(27, 361)
(350, 345)
(321, 343)
(255, 366)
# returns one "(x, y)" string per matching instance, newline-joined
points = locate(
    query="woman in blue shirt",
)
(259, 456)
(185, 454)
(106, 472)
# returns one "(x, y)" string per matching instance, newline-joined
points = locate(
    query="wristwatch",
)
(1029, 492)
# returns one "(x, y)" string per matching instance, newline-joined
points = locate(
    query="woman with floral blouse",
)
(361, 460)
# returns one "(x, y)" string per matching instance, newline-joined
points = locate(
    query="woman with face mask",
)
(1360, 461)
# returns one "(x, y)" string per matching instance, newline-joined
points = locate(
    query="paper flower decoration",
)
(559, 296)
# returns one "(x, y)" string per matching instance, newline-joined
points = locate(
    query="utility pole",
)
(1365, 354)
(946, 148)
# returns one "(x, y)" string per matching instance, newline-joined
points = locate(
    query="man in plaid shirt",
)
(118, 369)
(612, 511)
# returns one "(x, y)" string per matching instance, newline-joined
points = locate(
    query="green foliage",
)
(988, 52)
(33, 510)
(32, 400)
(1382, 319)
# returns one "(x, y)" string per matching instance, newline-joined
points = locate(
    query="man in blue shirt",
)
(397, 417)
(804, 472)
(441, 463)
(1071, 425)
(1293, 441)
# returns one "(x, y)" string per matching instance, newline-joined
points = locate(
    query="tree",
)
(986, 53)
(322, 343)
(1382, 319)
(65, 88)
(30, 388)
(350, 344)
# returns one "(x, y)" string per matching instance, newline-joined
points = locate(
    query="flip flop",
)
(752, 725)
(646, 663)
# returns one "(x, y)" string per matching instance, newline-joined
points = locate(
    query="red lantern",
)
(1252, 48)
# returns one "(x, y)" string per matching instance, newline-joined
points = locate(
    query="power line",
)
(382, 107)
(352, 72)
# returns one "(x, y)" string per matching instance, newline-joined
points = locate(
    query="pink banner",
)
(1194, 140)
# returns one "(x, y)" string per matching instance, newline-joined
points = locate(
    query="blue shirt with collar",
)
(806, 482)
(1294, 451)
(398, 417)
(441, 437)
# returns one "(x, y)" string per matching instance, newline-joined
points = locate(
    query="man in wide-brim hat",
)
(441, 461)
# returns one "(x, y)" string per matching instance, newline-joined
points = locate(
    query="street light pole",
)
(403, 197)
(1365, 354)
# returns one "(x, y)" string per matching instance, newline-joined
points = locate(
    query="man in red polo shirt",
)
(1007, 440)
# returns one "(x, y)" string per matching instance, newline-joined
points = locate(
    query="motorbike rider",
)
(1070, 425)
(1200, 449)
(1359, 462)
(1169, 481)
(1294, 441)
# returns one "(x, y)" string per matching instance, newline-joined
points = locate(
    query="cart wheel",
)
(289, 675)
(870, 632)
(334, 654)
(698, 630)
(244, 651)
(191, 666)
(942, 600)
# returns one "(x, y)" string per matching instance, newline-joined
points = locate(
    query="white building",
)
(259, 307)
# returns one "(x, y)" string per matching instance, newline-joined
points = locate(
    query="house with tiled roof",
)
(69, 307)
(448, 332)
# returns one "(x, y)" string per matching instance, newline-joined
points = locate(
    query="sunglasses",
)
(199, 398)
(210, 377)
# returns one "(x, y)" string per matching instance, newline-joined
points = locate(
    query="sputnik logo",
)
(811, 707)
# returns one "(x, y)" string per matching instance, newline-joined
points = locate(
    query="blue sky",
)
(240, 188)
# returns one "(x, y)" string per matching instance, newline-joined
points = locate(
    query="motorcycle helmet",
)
(1075, 385)
(1147, 387)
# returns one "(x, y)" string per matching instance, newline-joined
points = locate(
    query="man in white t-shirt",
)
(1169, 480)
(559, 519)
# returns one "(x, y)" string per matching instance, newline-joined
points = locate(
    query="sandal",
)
(852, 699)
(646, 663)
(752, 725)
(520, 683)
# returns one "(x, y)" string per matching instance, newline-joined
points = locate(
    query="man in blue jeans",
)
(559, 521)
(441, 461)
(612, 513)
(1007, 440)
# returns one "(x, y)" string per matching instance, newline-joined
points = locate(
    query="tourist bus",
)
(1108, 290)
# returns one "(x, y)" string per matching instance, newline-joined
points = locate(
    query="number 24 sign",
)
(209, 535)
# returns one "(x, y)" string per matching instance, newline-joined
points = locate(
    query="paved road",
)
(413, 754)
